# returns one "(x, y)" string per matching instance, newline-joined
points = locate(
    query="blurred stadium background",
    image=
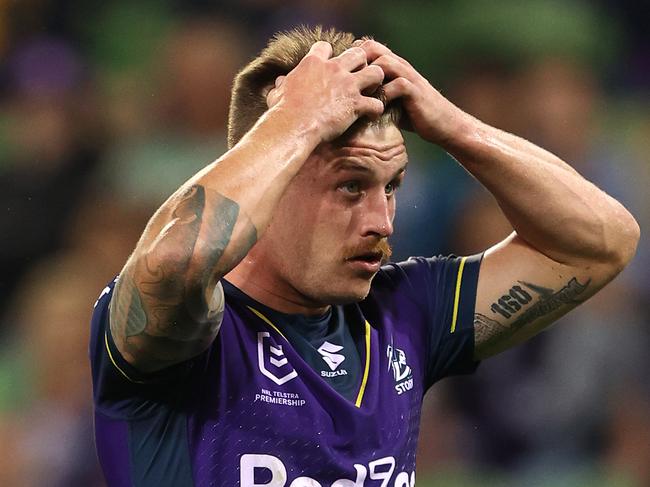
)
(107, 106)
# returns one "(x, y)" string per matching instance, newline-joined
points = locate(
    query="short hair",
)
(283, 53)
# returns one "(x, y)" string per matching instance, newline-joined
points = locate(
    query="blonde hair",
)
(283, 53)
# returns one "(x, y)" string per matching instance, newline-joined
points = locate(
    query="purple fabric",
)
(259, 415)
(113, 450)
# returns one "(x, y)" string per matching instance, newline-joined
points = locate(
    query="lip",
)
(369, 266)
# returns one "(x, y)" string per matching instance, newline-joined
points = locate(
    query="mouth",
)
(369, 262)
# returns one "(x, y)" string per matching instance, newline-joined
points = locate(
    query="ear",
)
(273, 95)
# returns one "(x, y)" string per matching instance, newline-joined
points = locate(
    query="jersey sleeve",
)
(445, 287)
(119, 389)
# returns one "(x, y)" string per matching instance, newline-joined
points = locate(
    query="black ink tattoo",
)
(218, 231)
(511, 303)
(486, 329)
(550, 302)
(489, 333)
(136, 319)
(167, 305)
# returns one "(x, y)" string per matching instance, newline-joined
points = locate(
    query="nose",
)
(378, 215)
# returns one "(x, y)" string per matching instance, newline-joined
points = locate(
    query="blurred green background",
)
(106, 107)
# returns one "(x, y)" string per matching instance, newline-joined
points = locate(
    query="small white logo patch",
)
(401, 371)
(328, 352)
(266, 350)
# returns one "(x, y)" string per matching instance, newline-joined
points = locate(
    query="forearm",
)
(208, 225)
(549, 204)
(167, 301)
(243, 188)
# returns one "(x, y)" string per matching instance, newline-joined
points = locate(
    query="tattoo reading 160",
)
(510, 303)
(490, 332)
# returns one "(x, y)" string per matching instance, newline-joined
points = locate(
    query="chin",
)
(333, 289)
(352, 294)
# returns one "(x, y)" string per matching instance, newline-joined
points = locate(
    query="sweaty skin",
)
(566, 229)
(298, 218)
(343, 203)
(164, 305)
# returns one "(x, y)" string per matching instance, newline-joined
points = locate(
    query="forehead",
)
(378, 149)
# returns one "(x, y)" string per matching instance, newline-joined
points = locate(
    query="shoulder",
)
(435, 290)
(417, 273)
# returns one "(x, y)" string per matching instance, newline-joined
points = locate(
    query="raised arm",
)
(570, 237)
(168, 303)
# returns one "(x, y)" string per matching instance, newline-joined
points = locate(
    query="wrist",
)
(292, 123)
(454, 127)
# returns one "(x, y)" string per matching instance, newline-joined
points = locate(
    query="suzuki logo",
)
(328, 351)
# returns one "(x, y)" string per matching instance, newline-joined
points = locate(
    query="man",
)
(253, 339)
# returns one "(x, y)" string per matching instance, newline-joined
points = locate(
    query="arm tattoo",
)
(166, 307)
(136, 319)
(491, 333)
(512, 302)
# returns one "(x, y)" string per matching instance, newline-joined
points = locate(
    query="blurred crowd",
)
(106, 107)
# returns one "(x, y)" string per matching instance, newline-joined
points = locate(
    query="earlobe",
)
(272, 93)
(271, 97)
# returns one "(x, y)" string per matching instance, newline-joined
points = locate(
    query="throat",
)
(289, 302)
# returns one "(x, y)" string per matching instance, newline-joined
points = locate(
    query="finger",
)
(368, 77)
(320, 49)
(398, 88)
(391, 66)
(375, 50)
(279, 80)
(370, 107)
(352, 59)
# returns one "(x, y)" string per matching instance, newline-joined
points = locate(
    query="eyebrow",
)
(400, 171)
(347, 165)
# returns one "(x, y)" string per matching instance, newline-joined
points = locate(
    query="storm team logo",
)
(401, 371)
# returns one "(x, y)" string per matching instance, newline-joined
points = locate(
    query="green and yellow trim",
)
(266, 320)
(366, 369)
(110, 356)
(459, 278)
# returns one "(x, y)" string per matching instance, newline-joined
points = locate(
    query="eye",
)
(351, 187)
(393, 186)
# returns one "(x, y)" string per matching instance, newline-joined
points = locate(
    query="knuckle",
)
(401, 82)
(309, 60)
(390, 59)
(377, 71)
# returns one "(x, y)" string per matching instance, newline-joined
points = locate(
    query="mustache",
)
(381, 247)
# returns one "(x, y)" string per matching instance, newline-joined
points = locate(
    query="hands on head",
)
(334, 90)
(330, 90)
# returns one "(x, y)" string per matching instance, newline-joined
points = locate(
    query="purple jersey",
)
(250, 411)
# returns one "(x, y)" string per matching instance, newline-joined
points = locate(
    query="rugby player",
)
(254, 337)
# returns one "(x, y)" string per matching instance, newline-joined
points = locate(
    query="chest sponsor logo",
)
(380, 472)
(401, 371)
(332, 358)
(272, 361)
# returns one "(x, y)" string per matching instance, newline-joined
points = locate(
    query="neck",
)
(272, 291)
